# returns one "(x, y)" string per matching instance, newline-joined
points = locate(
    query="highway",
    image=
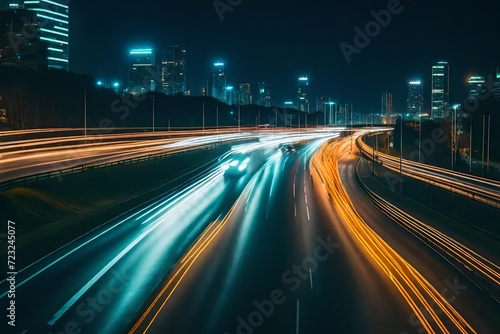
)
(106, 275)
(40, 158)
(292, 245)
(294, 255)
(480, 189)
(23, 158)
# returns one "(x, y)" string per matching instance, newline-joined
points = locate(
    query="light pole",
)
(401, 157)
(324, 115)
(203, 117)
(482, 154)
(352, 133)
(153, 113)
(217, 118)
(85, 113)
(420, 137)
(335, 114)
(239, 119)
(470, 143)
(488, 149)
(454, 139)
(345, 115)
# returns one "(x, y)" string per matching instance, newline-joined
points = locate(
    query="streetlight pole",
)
(482, 154)
(352, 133)
(470, 143)
(85, 113)
(153, 113)
(401, 158)
(488, 154)
(239, 119)
(335, 114)
(276, 117)
(420, 138)
(203, 117)
(217, 118)
(452, 146)
(324, 115)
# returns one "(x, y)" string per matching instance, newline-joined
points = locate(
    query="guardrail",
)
(9, 184)
(476, 268)
(454, 182)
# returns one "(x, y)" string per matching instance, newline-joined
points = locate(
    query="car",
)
(236, 165)
(287, 148)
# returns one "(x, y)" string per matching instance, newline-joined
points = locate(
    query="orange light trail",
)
(415, 289)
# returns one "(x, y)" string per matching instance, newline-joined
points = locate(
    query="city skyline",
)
(276, 61)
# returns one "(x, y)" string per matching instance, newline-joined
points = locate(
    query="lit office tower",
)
(496, 89)
(219, 82)
(142, 74)
(53, 28)
(303, 102)
(386, 110)
(440, 90)
(173, 71)
(245, 94)
(230, 95)
(28, 51)
(415, 102)
(476, 86)
(264, 94)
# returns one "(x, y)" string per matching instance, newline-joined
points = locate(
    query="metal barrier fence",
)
(9, 184)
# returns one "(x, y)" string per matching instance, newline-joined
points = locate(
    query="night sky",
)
(279, 40)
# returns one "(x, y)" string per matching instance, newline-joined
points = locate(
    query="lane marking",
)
(294, 189)
(305, 197)
(101, 273)
(295, 209)
(308, 216)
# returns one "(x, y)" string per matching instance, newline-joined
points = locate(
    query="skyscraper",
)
(53, 27)
(415, 101)
(219, 82)
(230, 95)
(142, 75)
(245, 94)
(386, 111)
(440, 90)
(303, 102)
(264, 94)
(476, 86)
(496, 85)
(173, 71)
(17, 48)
